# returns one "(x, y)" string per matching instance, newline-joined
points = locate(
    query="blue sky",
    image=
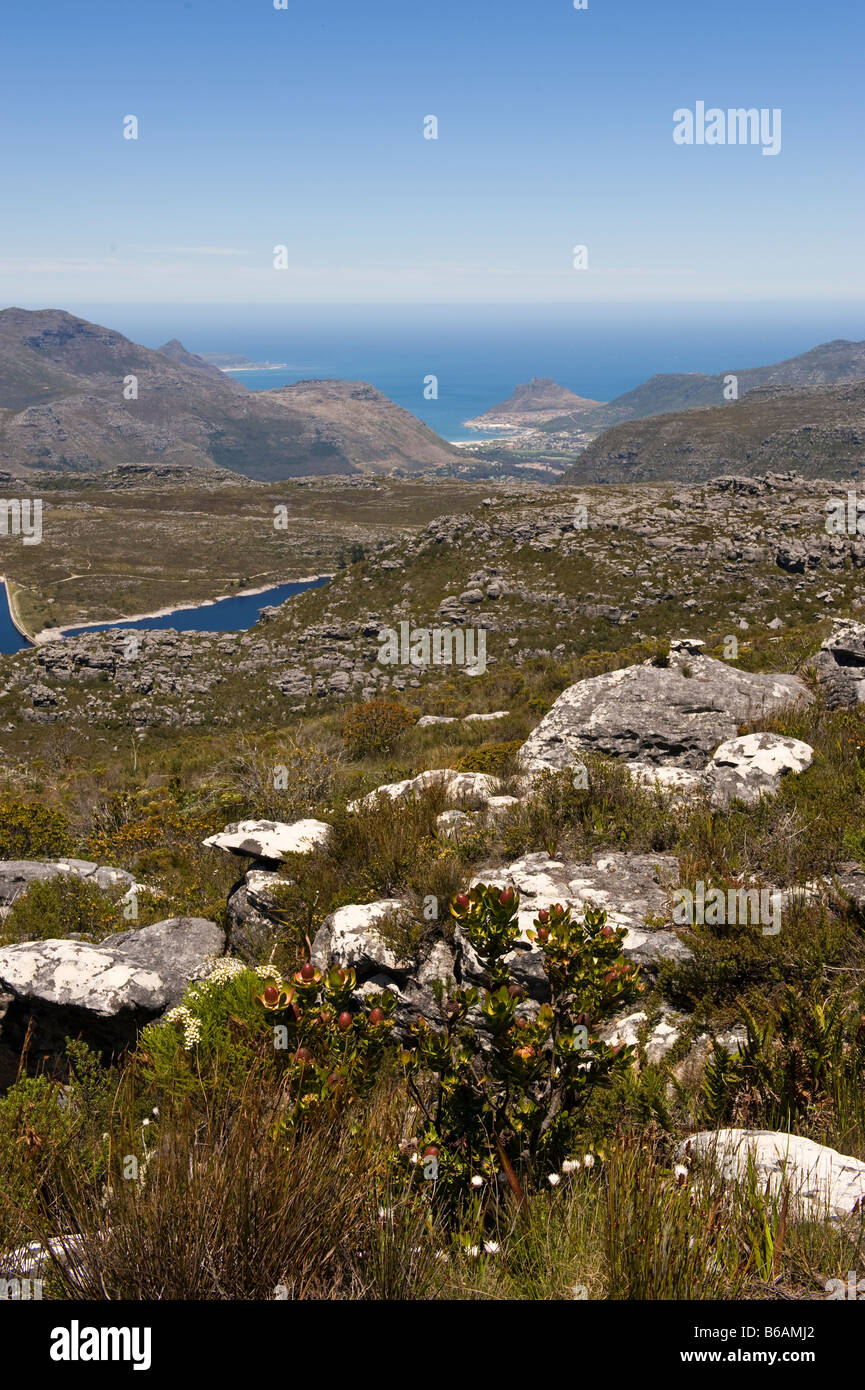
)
(304, 127)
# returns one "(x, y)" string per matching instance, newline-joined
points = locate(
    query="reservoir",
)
(232, 614)
(11, 639)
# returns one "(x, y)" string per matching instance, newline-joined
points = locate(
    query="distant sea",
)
(480, 353)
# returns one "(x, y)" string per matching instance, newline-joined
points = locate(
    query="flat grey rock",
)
(103, 993)
(473, 788)
(674, 715)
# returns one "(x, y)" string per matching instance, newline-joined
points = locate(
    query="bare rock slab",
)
(104, 993)
(821, 1181)
(269, 839)
(675, 715)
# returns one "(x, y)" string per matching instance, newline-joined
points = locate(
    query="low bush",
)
(67, 905)
(502, 1089)
(29, 830)
(494, 758)
(375, 727)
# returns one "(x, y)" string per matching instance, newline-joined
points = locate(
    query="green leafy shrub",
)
(304, 1034)
(61, 906)
(511, 1094)
(494, 758)
(32, 831)
(375, 727)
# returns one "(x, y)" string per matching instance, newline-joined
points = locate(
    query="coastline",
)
(473, 443)
(258, 367)
(55, 634)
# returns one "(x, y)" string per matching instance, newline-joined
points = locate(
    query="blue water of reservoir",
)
(232, 614)
(10, 638)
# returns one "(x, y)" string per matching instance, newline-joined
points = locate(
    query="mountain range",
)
(830, 364)
(79, 397)
(819, 433)
(68, 402)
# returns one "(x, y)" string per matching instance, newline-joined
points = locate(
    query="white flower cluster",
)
(182, 1017)
(225, 968)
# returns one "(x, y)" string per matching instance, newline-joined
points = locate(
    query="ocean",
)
(480, 353)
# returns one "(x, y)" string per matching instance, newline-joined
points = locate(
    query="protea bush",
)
(501, 1088)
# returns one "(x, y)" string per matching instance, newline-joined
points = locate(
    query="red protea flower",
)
(276, 996)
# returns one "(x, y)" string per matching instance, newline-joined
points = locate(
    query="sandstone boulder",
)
(472, 788)
(104, 993)
(821, 1181)
(268, 839)
(746, 768)
(673, 715)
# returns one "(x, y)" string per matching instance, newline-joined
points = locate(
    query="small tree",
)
(507, 1090)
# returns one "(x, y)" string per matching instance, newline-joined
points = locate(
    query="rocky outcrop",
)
(104, 993)
(633, 889)
(16, 876)
(820, 1180)
(746, 768)
(270, 840)
(840, 665)
(674, 715)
